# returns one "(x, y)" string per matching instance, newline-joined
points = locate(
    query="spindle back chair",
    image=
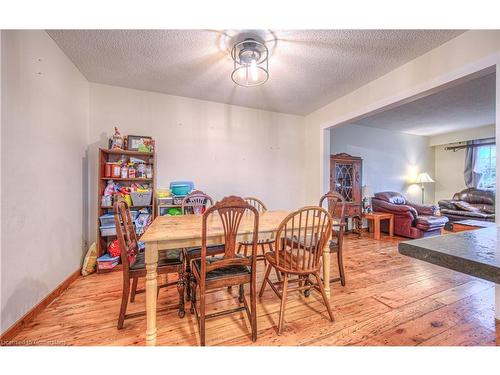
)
(262, 244)
(195, 203)
(299, 244)
(133, 264)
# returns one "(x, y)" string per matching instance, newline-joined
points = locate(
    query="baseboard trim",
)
(13, 330)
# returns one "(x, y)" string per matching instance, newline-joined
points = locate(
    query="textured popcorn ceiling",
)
(308, 68)
(467, 105)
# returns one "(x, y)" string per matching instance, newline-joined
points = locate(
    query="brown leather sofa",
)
(469, 204)
(410, 219)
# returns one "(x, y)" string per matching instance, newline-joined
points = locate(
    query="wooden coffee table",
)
(374, 219)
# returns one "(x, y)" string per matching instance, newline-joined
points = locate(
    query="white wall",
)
(449, 165)
(44, 136)
(472, 50)
(390, 159)
(224, 149)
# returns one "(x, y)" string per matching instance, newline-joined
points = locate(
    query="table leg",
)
(391, 227)
(151, 292)
(376, 229)
(326, 269)
(497, 302)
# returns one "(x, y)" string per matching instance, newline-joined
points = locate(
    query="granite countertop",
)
(475, 252)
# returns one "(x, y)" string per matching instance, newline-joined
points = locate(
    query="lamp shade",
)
(367, 191)
(424, 178)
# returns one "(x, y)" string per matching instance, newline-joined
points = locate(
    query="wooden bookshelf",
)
(106, 156)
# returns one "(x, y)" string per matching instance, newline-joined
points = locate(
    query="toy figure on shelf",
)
(117, 140)
(107, 198)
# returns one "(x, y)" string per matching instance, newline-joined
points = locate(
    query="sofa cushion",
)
(479, 196)
(462, 205)
(424, 222)
(486, 208)
(467, 214)
(391, 197)
(447, 203)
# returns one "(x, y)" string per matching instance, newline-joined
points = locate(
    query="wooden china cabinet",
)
(346, 179)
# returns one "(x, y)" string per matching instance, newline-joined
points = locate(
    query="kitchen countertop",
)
(475, 252)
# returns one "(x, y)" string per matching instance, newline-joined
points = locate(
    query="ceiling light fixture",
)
(251, 67)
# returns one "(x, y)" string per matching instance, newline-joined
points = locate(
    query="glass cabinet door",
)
(344, 179)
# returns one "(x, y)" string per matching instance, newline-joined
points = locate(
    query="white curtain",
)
(472, 175)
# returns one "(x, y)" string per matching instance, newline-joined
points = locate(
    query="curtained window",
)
(480, 164)
(486, 166)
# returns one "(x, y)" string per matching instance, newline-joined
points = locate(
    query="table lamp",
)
(423, 178)
(367, 193)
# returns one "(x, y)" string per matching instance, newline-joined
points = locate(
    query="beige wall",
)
(481, 132)
(224, 149)
(43, 142)
(452, 60)
(449, 172)
(449, 165)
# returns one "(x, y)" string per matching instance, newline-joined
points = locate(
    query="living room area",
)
(429, 162)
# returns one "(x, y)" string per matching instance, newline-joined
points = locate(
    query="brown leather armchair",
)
(410, 219)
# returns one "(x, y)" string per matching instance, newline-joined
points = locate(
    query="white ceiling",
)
(308, 68)
(467, 105)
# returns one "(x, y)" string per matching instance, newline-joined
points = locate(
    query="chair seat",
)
(222, 272)
(195, 252)
(334, 244)
(174, 257)
(308, 242)
(271, 258)
(259, 242)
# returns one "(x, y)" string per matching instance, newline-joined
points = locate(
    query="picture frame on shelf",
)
(139, 143)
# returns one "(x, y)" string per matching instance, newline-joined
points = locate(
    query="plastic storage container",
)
(141, 199)
(164, 201)
(108, 220)
(162, 193)
(181, 187)
(109, 230)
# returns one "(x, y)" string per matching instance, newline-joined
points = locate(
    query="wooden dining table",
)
(184, 231)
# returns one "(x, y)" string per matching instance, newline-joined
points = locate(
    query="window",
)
(486, 165)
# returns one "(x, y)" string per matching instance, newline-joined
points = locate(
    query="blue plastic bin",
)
(181, 187)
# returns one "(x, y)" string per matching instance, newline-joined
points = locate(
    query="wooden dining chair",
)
(299, 244)
(336, 208)
(262, 244)
(229, 268)
(196, 203)
(133, 264)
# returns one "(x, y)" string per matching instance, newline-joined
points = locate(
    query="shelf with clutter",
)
(169, 201)
(126, 171)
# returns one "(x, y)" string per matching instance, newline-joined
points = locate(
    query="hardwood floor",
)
(389, 299)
